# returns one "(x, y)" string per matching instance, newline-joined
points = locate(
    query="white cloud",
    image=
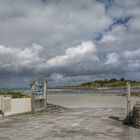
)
(132, 54)
(56, 77)
(57, 26)
(108, 38)
(112, 58)
(135, 23)
(15, 58)
(74, 55)
(58, 21)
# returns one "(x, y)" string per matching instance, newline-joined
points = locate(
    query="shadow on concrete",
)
(122, 120)
(117, 118)
(125, 121)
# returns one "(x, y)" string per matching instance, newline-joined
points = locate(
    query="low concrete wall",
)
(19, 106)
(1, 102)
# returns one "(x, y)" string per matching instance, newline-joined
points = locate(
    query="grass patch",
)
(13, 94)
(106, 83)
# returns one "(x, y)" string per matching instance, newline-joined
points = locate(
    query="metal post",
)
(33, 99)
(45, 90)
(45, 94)
(128, 98)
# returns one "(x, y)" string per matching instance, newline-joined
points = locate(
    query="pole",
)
(45, 95)
(128, 98)
(32, 99)
(45, 90)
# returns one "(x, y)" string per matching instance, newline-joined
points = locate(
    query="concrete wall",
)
(1, 102)
(19, 106)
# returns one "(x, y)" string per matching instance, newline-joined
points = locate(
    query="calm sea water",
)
(117, 91)
(93, 91)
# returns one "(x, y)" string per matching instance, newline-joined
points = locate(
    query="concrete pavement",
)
(72, 124)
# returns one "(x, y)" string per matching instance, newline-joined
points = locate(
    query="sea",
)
(102, 91)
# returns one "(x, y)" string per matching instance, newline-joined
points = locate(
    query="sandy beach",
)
(90, 100)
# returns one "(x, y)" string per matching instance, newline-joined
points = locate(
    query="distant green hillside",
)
(106, 83)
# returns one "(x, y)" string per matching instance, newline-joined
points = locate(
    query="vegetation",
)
(106, 83)
(13, 94)
(136, 93)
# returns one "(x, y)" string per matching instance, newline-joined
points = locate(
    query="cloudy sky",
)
(68, 42)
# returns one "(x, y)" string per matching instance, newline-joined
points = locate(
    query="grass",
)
(13, 94)
(106, 83)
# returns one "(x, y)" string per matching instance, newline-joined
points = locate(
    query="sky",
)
(68, 42)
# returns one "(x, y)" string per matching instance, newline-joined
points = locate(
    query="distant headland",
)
(106, 83)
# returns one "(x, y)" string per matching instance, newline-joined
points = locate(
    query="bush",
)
(13, 94)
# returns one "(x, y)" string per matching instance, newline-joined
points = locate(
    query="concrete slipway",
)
(72, 124)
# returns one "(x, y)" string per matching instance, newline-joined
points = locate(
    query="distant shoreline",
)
(104, 84)
(90, 88)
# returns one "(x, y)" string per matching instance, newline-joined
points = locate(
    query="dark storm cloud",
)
(62, 41)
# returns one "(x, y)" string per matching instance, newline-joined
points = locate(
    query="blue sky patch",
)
(120, 21)
(97, 36)
(107, 3)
